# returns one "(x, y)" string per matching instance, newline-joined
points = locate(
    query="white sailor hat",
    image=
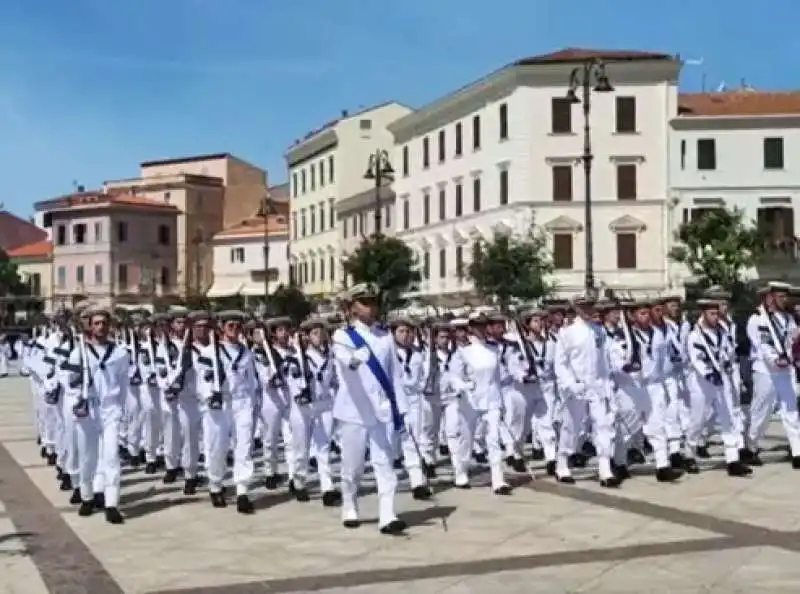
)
(778, 287)
(178, 312)
(459, 322)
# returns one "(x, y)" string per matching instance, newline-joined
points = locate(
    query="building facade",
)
(503, 154)
(34, 262)
(737, 149)
(325, 167)
(243, 252)
(114, 248)
(16, 232)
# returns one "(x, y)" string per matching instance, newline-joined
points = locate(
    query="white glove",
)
(362, 355)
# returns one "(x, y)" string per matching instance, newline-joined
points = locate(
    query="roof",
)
(38, 249)
(114, 197)
(254, 227)
(194, 159)
(739, 103)
(279, 192)
(578, 54)
(15, 232)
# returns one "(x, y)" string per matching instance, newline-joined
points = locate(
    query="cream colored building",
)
(211, 192)
(504, 152)
(325, 167)
(34, 263)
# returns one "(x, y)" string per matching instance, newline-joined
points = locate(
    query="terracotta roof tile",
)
(39, 249)
(254, 226)
(115, 196)
(15, 231)
(740, 103)
(578, 54)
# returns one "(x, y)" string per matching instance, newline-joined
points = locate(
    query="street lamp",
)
(378, 169)
(264, 211)
(591, 75)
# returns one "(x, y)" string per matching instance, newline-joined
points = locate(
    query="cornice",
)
(312, 147)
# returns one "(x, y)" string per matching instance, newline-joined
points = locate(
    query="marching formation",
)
(192, 394)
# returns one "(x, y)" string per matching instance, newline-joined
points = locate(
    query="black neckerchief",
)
(445, 361)
(239, 355)
(106, 356)
(646, 338)
(674, 353)
(409, 352)
(538, 355)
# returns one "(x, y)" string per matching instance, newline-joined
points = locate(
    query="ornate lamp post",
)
(379, 169)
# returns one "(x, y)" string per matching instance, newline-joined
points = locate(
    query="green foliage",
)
(389, 264)
(512, 267)
(289, 301)
(10, 281)
(718, 247)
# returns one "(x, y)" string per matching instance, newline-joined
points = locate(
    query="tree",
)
(718, 247)
(289, 301)
(512, 267)
(10, 281)
(389, 264)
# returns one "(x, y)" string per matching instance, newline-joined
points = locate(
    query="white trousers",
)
(275, 412)
(236, 418)
(515, 420)
(650, 401)
(181, 425)
(770, 389)
(596, 405)
(97, 438)
(544, 411)
(705, 395)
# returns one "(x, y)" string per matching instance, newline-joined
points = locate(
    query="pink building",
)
(112, 247)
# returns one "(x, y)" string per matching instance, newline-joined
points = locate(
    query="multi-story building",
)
(356, 217)
(251, 254)
(504, 152)
(211, 192)
(735, 149)
(326, 166)
(114, 248)
(16, 232)
(34, 262)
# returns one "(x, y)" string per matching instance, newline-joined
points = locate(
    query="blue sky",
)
(89, 88)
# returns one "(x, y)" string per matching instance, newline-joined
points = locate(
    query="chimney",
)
(344, 113)
(81, 188)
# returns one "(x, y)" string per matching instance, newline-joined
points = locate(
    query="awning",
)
(224, 288)
(252, 289)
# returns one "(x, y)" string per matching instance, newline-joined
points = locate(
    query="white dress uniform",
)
(453, 394)
(409, 380)
(545, 408)
(325, 384)
(5, 353)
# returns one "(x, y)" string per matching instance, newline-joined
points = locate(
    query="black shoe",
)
(566, 480)
(66, 483)
(647, 447)
(113, 516)
(612, 482)
(668, 475)
(59, 473)
(550, 468)
(334, 447)
(258, 443)
(99, 500)
(229, 460)
(480, 457)
(170, 476)
(690, 466)
(244, 505)
(620, 472)
(750, 458)
(444, 451)
(429, 470)
(218, 499)
(190, 486)
(331, 498)
(142, 457)
(75, 499)
(86, 509)
(300, 494)
(635, 457)
(676, 461)
(133, 461)
(38, 440)
(537, 454)
(313, 464)
(702, 452)
(160, 462)
(518, 465)
(351, 523)
(739, 469)
(52, 459)
(588, 449)
(398, 464)
(421, 493)
(394, 528)
(273, 481)
(503, 490)
(796, 462)
(577, 461)
(43, 452)
(150, 468)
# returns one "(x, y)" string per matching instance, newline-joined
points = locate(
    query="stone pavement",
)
(706, 534)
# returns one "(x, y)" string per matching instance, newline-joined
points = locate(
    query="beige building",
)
(211, 192)
(34, 263)
(113, 247)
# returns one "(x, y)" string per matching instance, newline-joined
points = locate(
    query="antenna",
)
(721, 87)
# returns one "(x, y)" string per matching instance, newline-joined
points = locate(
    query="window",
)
(294, 225)
(79, 233)
(459, 262)
(442, 263)
(35, 283)
(426, 265)
(165, 278)
(331, 177)
(459, 141)
(79, 275)
(98, 232)
(331, 213)
(313, 271)
(122, 231)
(98, 274)
(562, 183)
(322, 216)
(387, 216)
(344, 228)
(312, 213)
(504, 186)
(426, 208)
(163, 234)
(476, 194)
(237, 255)
(706, 154)
(122, 276)
(365, 124)
(405, 161)
(773, 153)
(683, 155)
(477, 250)
(313, 169)
(626, 182)
(322, 269)
(322, 174)
(61, 235)
(303, 181)
(294, 185)
(560, 115)
(442, 147)
(302, 222)
(503, 121)
(476, 133)
(562, 251)
(626, 250)
(626, 115)
(61, 277)
(406, 214)
(332, 268)
(442, 204)
(357, 225)
(459, 199)
(426, 152)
